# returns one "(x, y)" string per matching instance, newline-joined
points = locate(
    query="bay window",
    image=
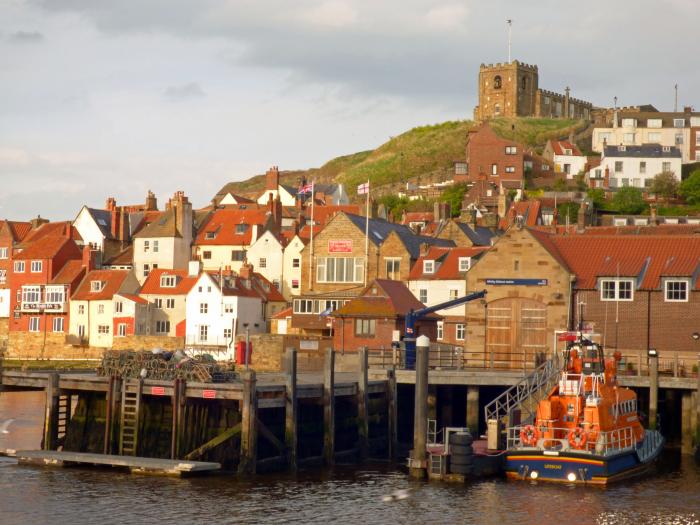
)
(340, 270)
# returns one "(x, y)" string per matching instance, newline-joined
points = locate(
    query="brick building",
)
(11, 234)
(512, 90)
(492, 158)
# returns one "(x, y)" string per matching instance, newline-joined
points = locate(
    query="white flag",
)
(363, 188)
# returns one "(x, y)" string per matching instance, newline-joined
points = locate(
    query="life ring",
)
(578, 437)
(529, 435)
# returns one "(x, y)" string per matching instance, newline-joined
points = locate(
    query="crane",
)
(413, 315)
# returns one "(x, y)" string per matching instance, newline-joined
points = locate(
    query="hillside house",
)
(637, 166)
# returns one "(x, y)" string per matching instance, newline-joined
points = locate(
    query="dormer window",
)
(210, 235)
(666, 149)
(567, 151)
(167, 281)
(241, 228)
(622, 148)
(96, 286)
(465, 263)
(429, 266)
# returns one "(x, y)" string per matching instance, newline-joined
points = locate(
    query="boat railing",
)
(556, 439)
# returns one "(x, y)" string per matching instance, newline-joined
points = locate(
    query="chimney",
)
(254, 234)
(581, 217)
(571, 137)
(472, 218)
(424, 248)
(272, 178)
(687, 109)
(615, 118)
(151, 201)
(606, 178)
(193, 268)
(114, 217)
(111, 204)
(502, 203)
(183, 215)
(37, 222)
(277, 211)
(652, 214)
(246, 271)
(67, 230)
(123, 234)
(555, 218)
(90, 254)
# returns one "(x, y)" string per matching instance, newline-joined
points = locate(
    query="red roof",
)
(528, 210)
(134, 298)
(648, 258)
(47, 247)
(183, 282)
(220, 229)
(322, 214)
(283, 314)
(418, 216)
(559, 147)
(51, 229)
(70, 273)
(382, 298)
(446, 262)
(111, 282)
(18, 230)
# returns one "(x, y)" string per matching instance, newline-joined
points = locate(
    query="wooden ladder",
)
(129, 417)
(64, 413)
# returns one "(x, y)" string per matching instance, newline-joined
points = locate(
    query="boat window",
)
(570, 407)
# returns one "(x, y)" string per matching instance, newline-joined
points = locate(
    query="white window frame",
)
(19, 267)
(685, 291)
(100, 308)
(155, 246)
(296, 262)
(465, 264)
(57, 324)
(4, 252)
(118, 307)
(103, 329)
(96, 286)
(460, 331)
(395, 271)
(170, 303)
(31, 294)
(168, 281)
(423, 294)
(615, 290)
(146, 246)
(365, 327)
(453, 293)
(121, 330)
(440, 330)
(678, 122)
(203, 308)
(3, 276)
(262, 262)
(328, 269)
(428, 266)
(35, 324)
(203, 332)
(36, 266)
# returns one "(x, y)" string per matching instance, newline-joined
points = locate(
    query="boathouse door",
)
(516, 332)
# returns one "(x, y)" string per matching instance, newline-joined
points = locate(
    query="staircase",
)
(129, 420)
(522, 396)
(64, 413)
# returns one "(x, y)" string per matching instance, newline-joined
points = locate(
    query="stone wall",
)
(148, 342)
(4, 332)
(31, 345)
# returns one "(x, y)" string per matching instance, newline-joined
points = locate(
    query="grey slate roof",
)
(479, 237)
(643, 151)
(103, 219)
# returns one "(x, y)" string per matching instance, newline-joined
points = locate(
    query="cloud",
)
(184, 92)
(26, 37)
(449, 16)
(332, 14)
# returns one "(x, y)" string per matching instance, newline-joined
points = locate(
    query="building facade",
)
(637, 166)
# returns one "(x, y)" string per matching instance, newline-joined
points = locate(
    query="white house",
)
(291, 268)
(565, 156)
(273, 189)
(638, 165)
(267, 257)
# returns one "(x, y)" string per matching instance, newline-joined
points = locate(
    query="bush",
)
(664, 185)
(629, 200)
(690, 188)
(597, 196)
(454, 195)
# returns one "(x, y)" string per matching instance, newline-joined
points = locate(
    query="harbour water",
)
(344, 494)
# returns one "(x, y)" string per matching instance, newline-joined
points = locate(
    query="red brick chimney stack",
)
(151, 201)
(246, 271)
(272, 178)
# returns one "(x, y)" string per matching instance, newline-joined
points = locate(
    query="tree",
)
(454, 195)
(629, 200)
(664, 185)
(567, 210)
(597, 196)
(690, 188)
(560, 185)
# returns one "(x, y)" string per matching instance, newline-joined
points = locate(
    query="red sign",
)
(209, 394)
(340, 246)
(157, 390)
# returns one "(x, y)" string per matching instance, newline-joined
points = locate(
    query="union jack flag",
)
(306, 188)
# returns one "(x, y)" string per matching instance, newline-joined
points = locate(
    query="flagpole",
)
(367, 235)
(311, 240)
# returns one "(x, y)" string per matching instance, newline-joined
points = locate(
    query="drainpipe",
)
(648, 319)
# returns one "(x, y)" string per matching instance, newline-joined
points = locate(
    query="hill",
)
(425, 153)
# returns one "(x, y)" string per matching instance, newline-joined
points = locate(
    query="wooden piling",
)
(114, 389)
(392, 418)
(291, 408)
(249, 427)
(362, 405)
(175, 399)
(473, 409)
(329, 407)
(51, 416)
(653, 387)
(696, 439)
(420, 421)
(686, 423)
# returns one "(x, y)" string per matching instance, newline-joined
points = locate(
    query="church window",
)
(497, 82)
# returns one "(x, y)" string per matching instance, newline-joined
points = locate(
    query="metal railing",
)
(670, 364)
(516, 396)
(557, 439)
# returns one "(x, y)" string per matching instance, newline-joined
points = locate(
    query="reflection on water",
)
(344, 494)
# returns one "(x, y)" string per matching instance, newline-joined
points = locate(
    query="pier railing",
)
(672, 364)
(557, 439)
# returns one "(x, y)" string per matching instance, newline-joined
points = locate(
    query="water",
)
(345, 494)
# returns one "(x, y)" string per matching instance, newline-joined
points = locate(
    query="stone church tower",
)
(507, 90)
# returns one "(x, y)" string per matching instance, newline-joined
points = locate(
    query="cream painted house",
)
(92, 306)
(166, 291)
(267, 257)
(291, 268)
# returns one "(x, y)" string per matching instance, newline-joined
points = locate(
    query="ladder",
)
(64, 413)
(129, 417)
(432, 431)
(437, 464)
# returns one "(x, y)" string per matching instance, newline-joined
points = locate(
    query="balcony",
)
(36, 307)
(41, 299)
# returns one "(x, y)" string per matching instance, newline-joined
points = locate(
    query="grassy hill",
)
(425, 153)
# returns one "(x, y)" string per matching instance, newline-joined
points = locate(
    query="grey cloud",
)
(26, 37)
(184, 92)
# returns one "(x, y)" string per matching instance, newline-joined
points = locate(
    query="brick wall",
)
(148, 342)
(484, 149)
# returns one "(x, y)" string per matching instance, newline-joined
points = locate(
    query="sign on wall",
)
(517, 282)
(340, 246)
(308, 345)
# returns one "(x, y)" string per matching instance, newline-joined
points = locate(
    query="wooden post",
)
(392, 413)
(175, 424)
(291, 406)
(697, 409)
(653, 387)
(686, 422)
(329, 407)
(249, 427)
(418, 461)
(473, 409)
(51, 415)
(181, 416)
(109, 404)
(362, 404)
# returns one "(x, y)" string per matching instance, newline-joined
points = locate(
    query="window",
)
(203, 332)
(296, 262)
(3, 276)
(57, 324)
(170, 303)
(146, 246)
(365, 327)
(618, 166)
(238, 255)
(121, 330)
(423, 295)
(303, 306)
(642, 167)
(511, 150)
(155, 246)
(393, 267)
(497, 82)
(103, 329)
(241, 228)
(210, 235)
(162, 327)
(604, 138)
(654, 123)
(665, 167)
(616, 290)
(203, 308)
(31, 294)
(676, 290)
(228, 308)
(295, 284)
(3, 253)
(428, 266)
(465, 263)
(340, 269)
(678, 122)
(629, 123)
(454, 293)
(34, 324)
(159, 303)
(459, 332)
(81, 331)
(19, 266)
(206, 254)
(262, 262)
(55, 294)
(697, 143)
(167, 281)
(81, 309)
(494, 169)
(146, 269)
(276, 284)
(227, 333)
(510, 169)
(118, 307)
(36, 266)
(96, 286)
(628, 138)
(654, 137)
(516, 265)
(100, 308)
(567, 168)
(440, 330)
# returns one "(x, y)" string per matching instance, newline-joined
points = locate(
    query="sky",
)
(104, 98)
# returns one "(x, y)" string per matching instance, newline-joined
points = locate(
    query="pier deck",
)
(169, 467)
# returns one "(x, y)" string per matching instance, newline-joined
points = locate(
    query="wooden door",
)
(516, 332)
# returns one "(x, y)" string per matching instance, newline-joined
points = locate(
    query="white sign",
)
(308, 345)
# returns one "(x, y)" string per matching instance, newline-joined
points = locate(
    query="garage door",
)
(516, 332)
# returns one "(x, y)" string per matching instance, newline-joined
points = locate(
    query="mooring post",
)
(696, 437)
(109, 416)
(329, 407)
(686, 422)
(653, 386)
(290, 414)
(249, 426)
(51, 416)
(176, 412)
(362, 404)
(392, 413)
(420, 420)
(181, 420)
(473, 409)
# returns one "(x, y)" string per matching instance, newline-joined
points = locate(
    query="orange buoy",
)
(529, 435)
(578, 437)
